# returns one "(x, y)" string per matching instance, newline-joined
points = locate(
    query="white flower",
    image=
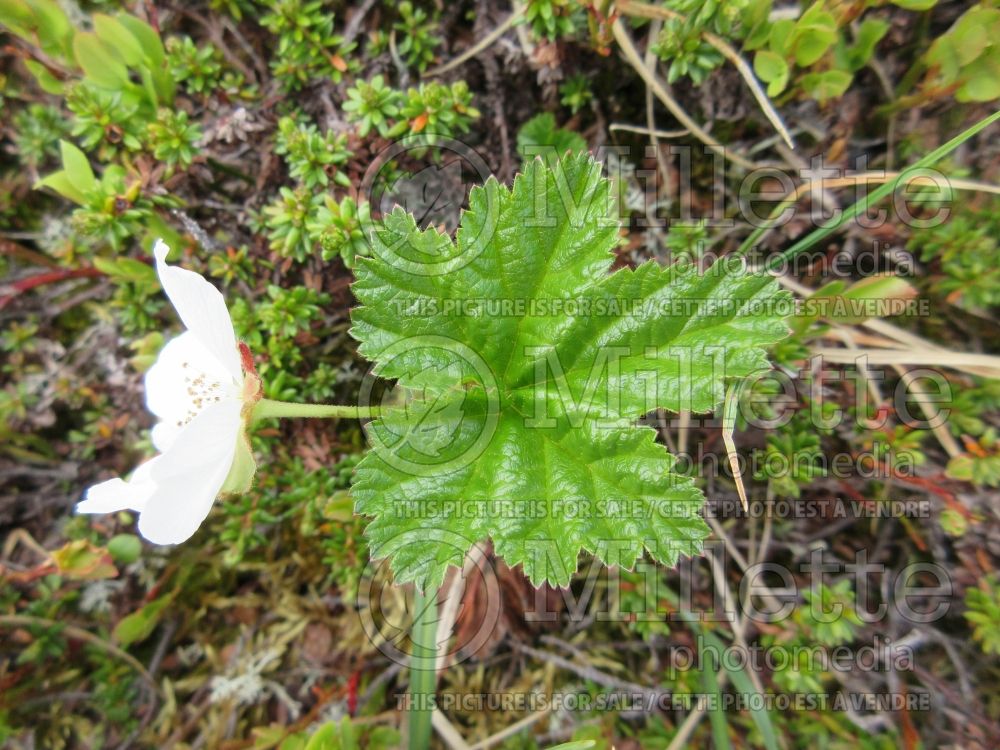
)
(203, 399)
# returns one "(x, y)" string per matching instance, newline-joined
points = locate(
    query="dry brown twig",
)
(628, 48)
(655, 12)
(518, 726)
(479, 46)
(652, 133)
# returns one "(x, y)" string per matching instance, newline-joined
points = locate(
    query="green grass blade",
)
(743, 684)
(716, 713)
(862, 205)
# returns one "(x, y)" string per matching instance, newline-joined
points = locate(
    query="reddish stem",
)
(50, 277)
(352, 692)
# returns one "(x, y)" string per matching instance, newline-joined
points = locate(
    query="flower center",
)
(202, 389)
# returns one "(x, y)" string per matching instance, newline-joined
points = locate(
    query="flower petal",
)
(190, 475)
(201, 308)
(185, 379)
(164, 434)
(116, 494)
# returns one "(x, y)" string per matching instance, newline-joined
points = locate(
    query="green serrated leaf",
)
(539, 136)
(522, 365)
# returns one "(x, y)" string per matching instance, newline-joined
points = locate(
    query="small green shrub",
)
(312, 158)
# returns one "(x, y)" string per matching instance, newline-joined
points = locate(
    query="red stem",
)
(50, 277)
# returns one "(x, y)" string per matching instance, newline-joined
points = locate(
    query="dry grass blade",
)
(652, 132)
(895, 338)
(447, 732)
(938, 426)
(650, 695)
(624, 40)
(513, 729)
(642, 10)
(479, 46)
(925, 357)
(855, 180)
(728, 425)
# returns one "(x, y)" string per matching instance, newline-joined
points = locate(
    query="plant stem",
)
(267, 408)
(423, 667)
